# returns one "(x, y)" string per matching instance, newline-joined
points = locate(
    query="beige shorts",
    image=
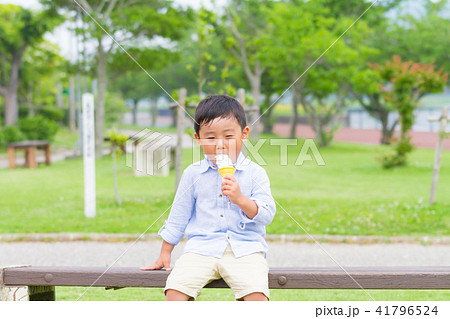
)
(243, 275)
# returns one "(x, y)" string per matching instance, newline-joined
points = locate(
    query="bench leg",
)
(32, 157)
(41, 293)
(47, 155)
(12, 157)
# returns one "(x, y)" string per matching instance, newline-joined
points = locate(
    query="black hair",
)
(218, 106)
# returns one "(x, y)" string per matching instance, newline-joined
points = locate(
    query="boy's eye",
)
(228, 136)
(211, 138)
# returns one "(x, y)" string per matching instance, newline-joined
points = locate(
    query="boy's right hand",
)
(163, 261)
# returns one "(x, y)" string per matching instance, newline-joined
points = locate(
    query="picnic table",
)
(30, 152)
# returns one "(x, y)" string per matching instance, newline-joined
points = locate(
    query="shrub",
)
(398, 154)
(2, 139)
(38, 128)
(52, 113)
(12, 134)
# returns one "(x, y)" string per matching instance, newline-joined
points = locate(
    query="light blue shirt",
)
(209, 221)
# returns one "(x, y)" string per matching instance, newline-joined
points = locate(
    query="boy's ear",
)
(197, 138)
(245, 133)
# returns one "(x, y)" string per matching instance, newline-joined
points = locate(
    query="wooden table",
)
(30, 152)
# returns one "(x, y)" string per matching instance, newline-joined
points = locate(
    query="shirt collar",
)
(241, 164)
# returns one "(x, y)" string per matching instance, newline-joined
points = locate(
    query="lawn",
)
(218, 294)
(350, 195)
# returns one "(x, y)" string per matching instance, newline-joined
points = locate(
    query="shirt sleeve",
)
(182, 207)
(262, 196)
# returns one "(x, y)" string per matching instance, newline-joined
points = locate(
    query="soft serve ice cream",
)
(225, 165)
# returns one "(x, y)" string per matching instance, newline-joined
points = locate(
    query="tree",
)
(130, 23)
(241, 29)
(296, 54)
(131, 81)
(118, 144)
(403, 85)
(366, 91)
(41, 70)
(421, 37)
(19, 29)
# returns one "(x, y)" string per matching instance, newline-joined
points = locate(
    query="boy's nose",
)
(220, 143)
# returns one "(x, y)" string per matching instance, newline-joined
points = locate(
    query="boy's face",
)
(222, 136)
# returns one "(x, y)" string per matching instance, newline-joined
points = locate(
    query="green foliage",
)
(396, 156)
(52, 113)
(402, 86)
(12, 134)
(117, 140)
(38, 128)
(2, 139)
(115, 107)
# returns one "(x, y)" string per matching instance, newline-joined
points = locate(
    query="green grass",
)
(350, 195)
(218, 294)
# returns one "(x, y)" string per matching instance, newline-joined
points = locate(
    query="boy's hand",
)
(163, 261)
(230, 188)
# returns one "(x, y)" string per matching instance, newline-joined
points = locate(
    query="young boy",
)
(223, 219)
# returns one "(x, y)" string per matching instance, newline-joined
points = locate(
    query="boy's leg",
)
(175, 295)
(255, 296)
(247, 275)
(189, 275)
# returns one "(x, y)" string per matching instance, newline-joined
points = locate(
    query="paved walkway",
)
(130, 254)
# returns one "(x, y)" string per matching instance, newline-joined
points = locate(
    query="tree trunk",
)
(255, 83)
(134, 111)
(386, 133)
(267, 117)
(294, 117)
(154, 111)
(72, 104)
(31, 110)
(11, 107)
(100, 105)
(114, 158)
(10, 92)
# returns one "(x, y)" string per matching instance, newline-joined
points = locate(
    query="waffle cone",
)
(226, 171)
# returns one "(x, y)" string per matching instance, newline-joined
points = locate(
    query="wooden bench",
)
(30, 152)
(41, 281)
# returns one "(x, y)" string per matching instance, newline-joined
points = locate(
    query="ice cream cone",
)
(226, 171)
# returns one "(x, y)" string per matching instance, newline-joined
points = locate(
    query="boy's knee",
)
(254, 296)
(175, 295)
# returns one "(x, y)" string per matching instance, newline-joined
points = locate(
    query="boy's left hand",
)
(230, 188)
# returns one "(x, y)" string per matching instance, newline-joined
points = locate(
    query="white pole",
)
(89, 155)
(437, 158)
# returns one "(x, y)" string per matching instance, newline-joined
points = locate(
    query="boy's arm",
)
(260, 206)
(261, 197)
(183, 205)
(248, 206)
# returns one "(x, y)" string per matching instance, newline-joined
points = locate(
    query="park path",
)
(288, 254)
(346, 134)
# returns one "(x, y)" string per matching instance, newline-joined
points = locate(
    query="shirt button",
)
(220, 195)
(228, 237)
(221, 215)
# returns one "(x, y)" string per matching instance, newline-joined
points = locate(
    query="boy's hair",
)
(218, 106)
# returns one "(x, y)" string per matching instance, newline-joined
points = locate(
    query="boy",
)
(224, 219)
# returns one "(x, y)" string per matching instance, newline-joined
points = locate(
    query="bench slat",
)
(286, 278)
